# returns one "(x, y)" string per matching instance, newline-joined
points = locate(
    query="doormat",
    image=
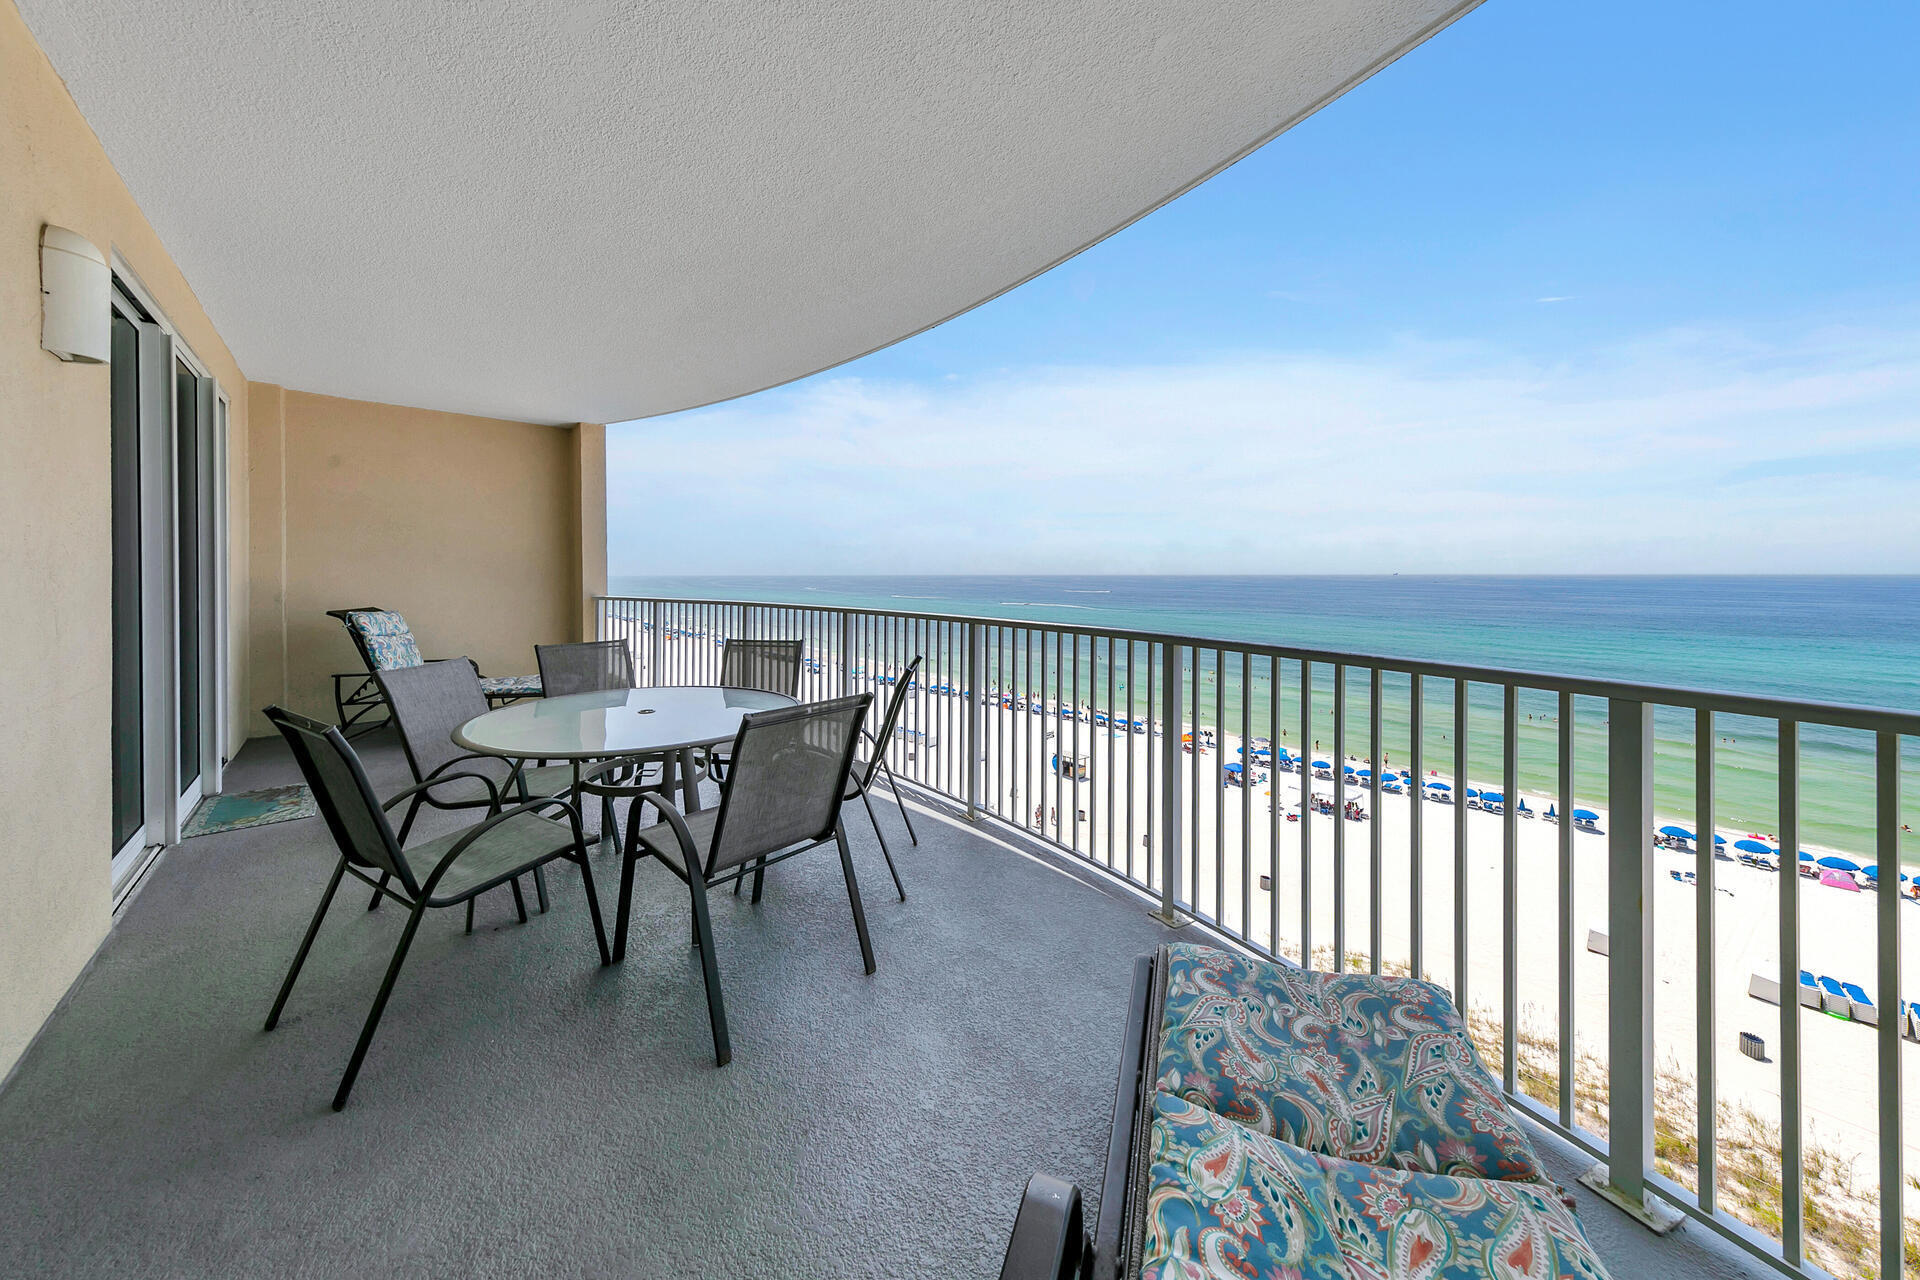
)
(240, 809)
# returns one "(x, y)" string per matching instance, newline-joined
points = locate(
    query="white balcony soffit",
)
(599, 211)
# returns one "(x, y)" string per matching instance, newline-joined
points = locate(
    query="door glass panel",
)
(129, 793)
(187, 566)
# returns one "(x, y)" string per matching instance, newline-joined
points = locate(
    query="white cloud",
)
(1681, 451)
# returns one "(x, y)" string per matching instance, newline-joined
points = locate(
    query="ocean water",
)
(1853, 640)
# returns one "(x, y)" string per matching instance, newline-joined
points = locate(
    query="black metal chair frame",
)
(776, 649)
(356, 694)
(700, 876)
(416, 895)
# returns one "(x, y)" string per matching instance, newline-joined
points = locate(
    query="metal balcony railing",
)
(1113, 746)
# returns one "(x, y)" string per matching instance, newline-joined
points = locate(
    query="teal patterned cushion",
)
(1366, 1068)
(511, 686)
(1225, 1201)
(389, 640)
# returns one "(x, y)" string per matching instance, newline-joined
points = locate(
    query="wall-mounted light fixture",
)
(76, 311)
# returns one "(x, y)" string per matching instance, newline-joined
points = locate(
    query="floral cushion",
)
(511, 686)
(389, 641)
(1225, 1201)
(1365, 1068)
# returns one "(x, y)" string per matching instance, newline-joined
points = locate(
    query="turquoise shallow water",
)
(1833, 639)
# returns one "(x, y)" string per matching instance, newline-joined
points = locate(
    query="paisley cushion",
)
(389, 640)
(511, 686)
(1226, 1201)
(1366, 1068)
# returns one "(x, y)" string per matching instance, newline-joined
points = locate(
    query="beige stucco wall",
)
(55, 512)
(468, 526)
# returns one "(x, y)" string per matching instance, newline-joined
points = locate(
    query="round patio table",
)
(667, 721)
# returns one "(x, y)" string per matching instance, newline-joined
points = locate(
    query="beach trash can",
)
(1753, 1046)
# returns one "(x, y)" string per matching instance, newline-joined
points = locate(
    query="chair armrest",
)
(493, 792)
(479, 829)
(1049, 1241)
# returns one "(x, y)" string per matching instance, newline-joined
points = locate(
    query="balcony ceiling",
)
(601, 211)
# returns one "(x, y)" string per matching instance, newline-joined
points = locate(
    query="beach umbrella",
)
(1472, 792)
(1678, 833)
(1439, 786)
(1719, 839)
(1364, 773)
(1754, 846)
(1874, 871)
(1234, 768)
(1586, 815)
(1321, 764)
(1494, 796)
(1838, 863)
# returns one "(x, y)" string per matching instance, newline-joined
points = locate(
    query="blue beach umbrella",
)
(1679, 833)
(1234, 768)
(1838, 863)
(1585, 815)
(1321, 764)
(1719, 839)
(1440, 786)
(1754, 846)
(1494, 796)
(1472, 792)
(1874, 871)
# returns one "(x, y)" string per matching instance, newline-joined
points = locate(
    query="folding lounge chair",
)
(385, 642)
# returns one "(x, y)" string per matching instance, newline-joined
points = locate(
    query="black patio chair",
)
(772, 666)
(428, 703)
(860, 781)
(769, 665)
(447, 871)
(587, 667)
(782, 797)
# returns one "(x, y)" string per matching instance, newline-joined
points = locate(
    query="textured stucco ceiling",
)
(600, 211)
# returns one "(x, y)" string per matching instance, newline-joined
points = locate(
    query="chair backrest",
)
(769, 665)
(383, 638)
(588, 667)
(788, 773)
(895, 705)
(343, 794)
(429, 702)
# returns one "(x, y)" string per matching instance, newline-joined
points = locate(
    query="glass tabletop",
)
(619, 722)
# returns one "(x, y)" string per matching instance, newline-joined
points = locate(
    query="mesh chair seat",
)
(664, 844)
(491, 860)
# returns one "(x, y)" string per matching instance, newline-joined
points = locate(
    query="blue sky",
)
(1627, 289)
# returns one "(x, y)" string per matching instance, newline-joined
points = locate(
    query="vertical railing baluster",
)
(1707, 1090)
(1886, 845)
(1339, 817)
(1111, 762)
(1246, 795)
(1307, 753)
(976, 709)
(1219, 858)
(1417, 825)
(1172, 829)
(1073, 702)
(1376, 860)
(1629, 954)
(1461, 916)
(1792, 1187)
(1569, 940)
(1274, 818)
(1194, 854)
(1510, 889)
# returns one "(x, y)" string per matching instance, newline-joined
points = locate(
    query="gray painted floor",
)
(525, 1112)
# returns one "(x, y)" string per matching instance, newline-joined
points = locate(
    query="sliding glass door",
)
(167, 449)
(129, 752)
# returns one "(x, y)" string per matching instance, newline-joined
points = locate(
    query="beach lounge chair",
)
(1833, 998)
(385, 642)
(1809, 990)
(1913, 1020)
(1860, 1005)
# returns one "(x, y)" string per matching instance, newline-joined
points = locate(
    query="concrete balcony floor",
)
(525, 1112)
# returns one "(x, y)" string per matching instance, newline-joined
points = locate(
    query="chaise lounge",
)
(1277, 1121)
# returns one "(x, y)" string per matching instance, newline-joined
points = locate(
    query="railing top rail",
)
(1835, 714)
